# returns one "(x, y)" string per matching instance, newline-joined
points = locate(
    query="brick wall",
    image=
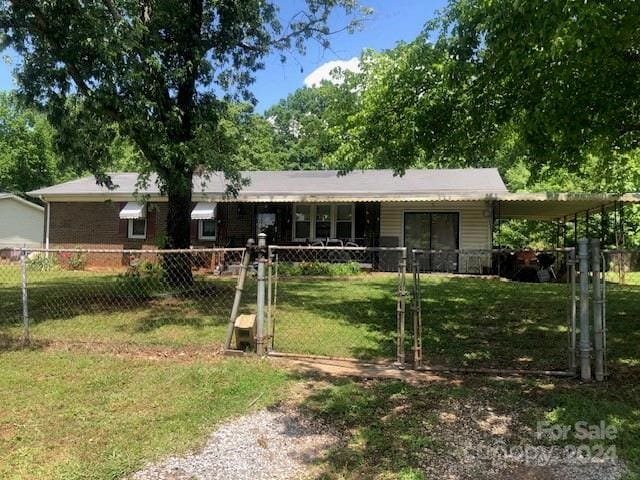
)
(97, 225)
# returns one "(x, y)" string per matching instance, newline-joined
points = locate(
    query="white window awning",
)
(204, 211)
(133, 211)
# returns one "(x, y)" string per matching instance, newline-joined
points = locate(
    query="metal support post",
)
(262, 261)
(417, 314)
(572, 308)
(269, 300)
(598, 340)
(401, 307)
(585, 343)
(25, 298)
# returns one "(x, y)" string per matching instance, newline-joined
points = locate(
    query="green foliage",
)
(159, 76)
(320, 269)
(563, 81)
(77, 261)
(27, 155)
(144, 270)
(301, 138)
(40, 262)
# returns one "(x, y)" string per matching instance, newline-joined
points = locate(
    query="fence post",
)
(597, 310)
(269, 325)
(262, 260)
(25, 299)
(246, 258)
(571, 278)
(417, 313)
(401, 309)
(585, 344)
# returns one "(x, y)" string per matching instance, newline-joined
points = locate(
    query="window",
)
(344, 221)
(137, 228)
(302, 221)
(323, 221)
(207, 229)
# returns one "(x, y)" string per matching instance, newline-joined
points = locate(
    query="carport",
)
(590, 215)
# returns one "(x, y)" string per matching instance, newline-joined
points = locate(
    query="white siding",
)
(475, 225)
(20, 224)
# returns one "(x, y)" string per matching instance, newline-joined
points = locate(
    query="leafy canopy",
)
(158, 73)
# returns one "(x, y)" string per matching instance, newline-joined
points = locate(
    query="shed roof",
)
(11, 196)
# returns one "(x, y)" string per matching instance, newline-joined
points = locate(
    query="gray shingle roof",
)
(316, 183)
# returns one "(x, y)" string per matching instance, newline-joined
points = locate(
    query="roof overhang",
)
(522, 205)
(554, 206)
(10, 196)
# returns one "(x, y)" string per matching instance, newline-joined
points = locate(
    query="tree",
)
(301, 135)
(157, 73)
(27, 156)
(563, 73)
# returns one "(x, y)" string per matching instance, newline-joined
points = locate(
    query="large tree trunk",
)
(178, 266)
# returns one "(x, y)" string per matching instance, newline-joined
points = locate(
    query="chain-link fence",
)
(336, 301)
(456, 309)
(494, 309)
(621, 315)
(165, 297)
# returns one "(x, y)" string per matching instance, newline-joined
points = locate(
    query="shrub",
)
(41, 262)
(77, 261)
(147, 270)
(320, 269)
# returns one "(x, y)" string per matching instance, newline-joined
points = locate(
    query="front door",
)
(267, 222)
(433, 231)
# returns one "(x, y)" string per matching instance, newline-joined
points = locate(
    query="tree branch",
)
(113, 10)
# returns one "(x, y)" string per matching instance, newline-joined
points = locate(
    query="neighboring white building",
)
(21, 222)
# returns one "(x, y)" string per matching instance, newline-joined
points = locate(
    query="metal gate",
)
(494, 310)
(337, 301)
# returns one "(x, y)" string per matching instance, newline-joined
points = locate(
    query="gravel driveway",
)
(270, 444)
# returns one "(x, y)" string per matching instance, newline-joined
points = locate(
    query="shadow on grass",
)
(14, 343)
(392, 429)
(337, 317)
(151, 304)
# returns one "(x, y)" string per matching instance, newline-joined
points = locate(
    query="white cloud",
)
(323, 72)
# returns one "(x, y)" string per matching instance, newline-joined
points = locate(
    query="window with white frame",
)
(323, 221)
(137, 228)
(207, 229)
(302, 221)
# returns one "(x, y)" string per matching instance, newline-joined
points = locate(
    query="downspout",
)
(47, 223)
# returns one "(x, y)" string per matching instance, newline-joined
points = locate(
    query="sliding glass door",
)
(433, 231)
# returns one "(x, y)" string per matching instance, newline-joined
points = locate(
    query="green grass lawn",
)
(81, 416)
(466, 322)
(78, 413)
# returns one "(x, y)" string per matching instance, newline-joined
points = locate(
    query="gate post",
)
(401, 307)
(417, 313)
(585, 341)
(262, 260)
(598, 330)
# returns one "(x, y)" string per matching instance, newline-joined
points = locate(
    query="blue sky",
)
(392, 21)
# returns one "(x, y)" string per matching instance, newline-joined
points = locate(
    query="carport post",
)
(262, 260)
(25, 298)
(571, 264)
(585, 343)
(598, 330)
